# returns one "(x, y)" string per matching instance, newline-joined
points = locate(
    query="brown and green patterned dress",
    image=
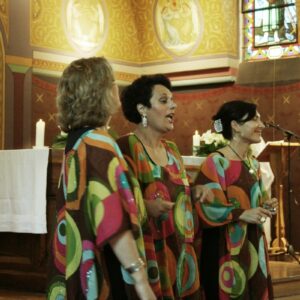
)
(234, 257)
(94, 203)
(171, 260)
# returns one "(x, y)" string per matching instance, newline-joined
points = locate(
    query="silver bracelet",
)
(136, 266)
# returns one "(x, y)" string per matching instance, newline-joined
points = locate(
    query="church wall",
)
(133, 38)
(36, 45)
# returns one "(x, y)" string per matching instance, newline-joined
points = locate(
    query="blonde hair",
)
(84, 94)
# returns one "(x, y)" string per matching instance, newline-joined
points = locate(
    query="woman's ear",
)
(235, 126)
(140, 108)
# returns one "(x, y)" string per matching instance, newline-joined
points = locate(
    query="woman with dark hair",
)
(234, 254)
(165, 205)
(97, 229)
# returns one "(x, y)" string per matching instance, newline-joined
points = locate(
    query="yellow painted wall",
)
(131, 35)
(220, 34)
(46, 28)
(4, 17)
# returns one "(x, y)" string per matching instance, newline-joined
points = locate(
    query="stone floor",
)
(285, 276)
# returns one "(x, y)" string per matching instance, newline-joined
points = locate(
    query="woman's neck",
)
(153, 146)
(148, 137)
(240, 148)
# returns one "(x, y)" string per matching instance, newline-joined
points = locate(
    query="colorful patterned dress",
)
(171, 259)
(94, 203)
(234, 258)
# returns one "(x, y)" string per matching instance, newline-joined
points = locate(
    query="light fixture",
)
(275, 52)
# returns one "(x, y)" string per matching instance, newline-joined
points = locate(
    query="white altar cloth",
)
(23, 182)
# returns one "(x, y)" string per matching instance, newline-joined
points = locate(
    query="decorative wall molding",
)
(4, 17)
(18, 60)
(2, 92)
(141, 38)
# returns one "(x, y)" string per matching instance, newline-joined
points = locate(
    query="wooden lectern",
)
(277, 154)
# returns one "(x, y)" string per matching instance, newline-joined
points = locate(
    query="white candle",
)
(39, 133)
(196, 142)
(196, 139)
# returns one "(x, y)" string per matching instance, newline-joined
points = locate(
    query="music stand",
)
(278, 154)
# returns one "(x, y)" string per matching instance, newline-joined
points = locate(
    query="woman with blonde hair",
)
(96, 232)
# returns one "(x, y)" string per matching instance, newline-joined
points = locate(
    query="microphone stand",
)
(288, 135)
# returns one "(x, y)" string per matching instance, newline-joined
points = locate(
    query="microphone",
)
(286, 132)
(271, 125)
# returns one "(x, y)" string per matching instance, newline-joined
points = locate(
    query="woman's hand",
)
(271, 205)
(144, 290)
(256, 215)
(202, 193)
(157, 207)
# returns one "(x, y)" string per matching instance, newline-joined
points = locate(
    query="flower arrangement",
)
(210, 142)
(60, 141)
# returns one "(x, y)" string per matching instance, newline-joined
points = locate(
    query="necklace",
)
(247, 163)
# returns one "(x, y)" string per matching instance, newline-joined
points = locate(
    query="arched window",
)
(269, 23)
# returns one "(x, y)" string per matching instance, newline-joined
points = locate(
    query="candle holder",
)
(196, 150)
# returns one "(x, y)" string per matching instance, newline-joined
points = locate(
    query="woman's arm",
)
(124, 247)
(211, 200)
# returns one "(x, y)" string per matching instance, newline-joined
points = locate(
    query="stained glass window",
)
(269, 23)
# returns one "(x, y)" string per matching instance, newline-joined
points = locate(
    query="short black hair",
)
(140, 92)
(237, 110)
